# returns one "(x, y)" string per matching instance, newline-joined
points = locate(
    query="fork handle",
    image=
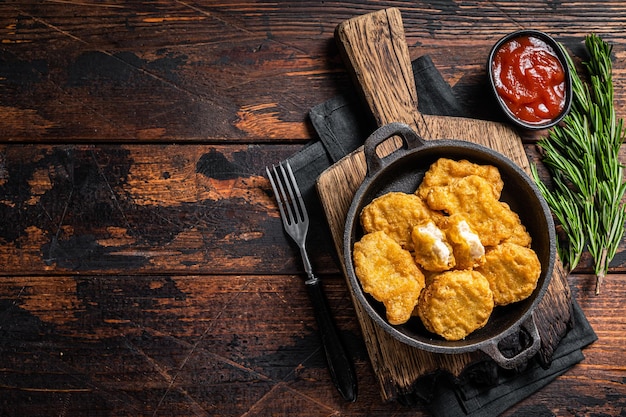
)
(339, 364)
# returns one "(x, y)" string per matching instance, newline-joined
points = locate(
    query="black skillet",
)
(403, 171)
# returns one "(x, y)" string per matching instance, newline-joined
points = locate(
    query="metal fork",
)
(296, 223)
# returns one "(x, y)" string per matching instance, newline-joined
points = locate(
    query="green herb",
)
(587, 176)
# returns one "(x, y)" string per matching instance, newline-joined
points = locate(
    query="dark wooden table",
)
(145, 270)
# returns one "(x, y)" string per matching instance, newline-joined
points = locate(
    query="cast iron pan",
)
(403, 171)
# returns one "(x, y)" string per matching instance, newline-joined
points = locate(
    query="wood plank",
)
(146, 208)
(144, 345)
(217, 72)
(177, 345)
(375, 50)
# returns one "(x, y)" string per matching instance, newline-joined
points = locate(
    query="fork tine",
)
(300, 202)
(284, 184)
(275, 181)
(290, 202)
(294, 205)
(287, 200)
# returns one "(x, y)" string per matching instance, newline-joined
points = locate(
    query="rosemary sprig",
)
(582, 157)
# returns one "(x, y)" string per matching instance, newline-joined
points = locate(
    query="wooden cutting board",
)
(375, 50)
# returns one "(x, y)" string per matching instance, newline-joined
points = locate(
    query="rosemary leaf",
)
(582, 157)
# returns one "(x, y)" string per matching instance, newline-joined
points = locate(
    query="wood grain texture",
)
(87, 209)
(143, 266)
(144, 209)
(377, 54)
(187, 345)
(176, 71)
(399, 366)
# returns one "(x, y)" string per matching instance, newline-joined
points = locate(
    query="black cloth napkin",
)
(454, 399)
(343, 123)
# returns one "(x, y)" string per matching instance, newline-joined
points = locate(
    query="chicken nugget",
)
(444, 171)
(519, 234)
(467, 248)
(396, 213)
(432, 251)
(455, 304)
(491, 219)
(389, 274)
(512, 271)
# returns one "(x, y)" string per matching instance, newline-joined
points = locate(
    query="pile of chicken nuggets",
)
(448, 253)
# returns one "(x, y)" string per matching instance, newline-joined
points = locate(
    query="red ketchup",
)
(530, 79)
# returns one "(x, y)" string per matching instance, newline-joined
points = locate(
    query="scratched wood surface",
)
(144, 270)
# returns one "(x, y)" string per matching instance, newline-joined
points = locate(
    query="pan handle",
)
(410, 139)
(510, 363)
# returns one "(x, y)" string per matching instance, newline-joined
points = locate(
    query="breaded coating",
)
(468, 250)
(389, 274)
(519, 235)
(431, 249)
(445, 171)
(396, 213)
(472, 196)
(449, 253)
(455, 304)
(512, 271)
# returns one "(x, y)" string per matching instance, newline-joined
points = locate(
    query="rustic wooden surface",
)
(144, 266)
(375, 51)
(397, 366)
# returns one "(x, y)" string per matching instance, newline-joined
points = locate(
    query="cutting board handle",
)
(375, 50)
